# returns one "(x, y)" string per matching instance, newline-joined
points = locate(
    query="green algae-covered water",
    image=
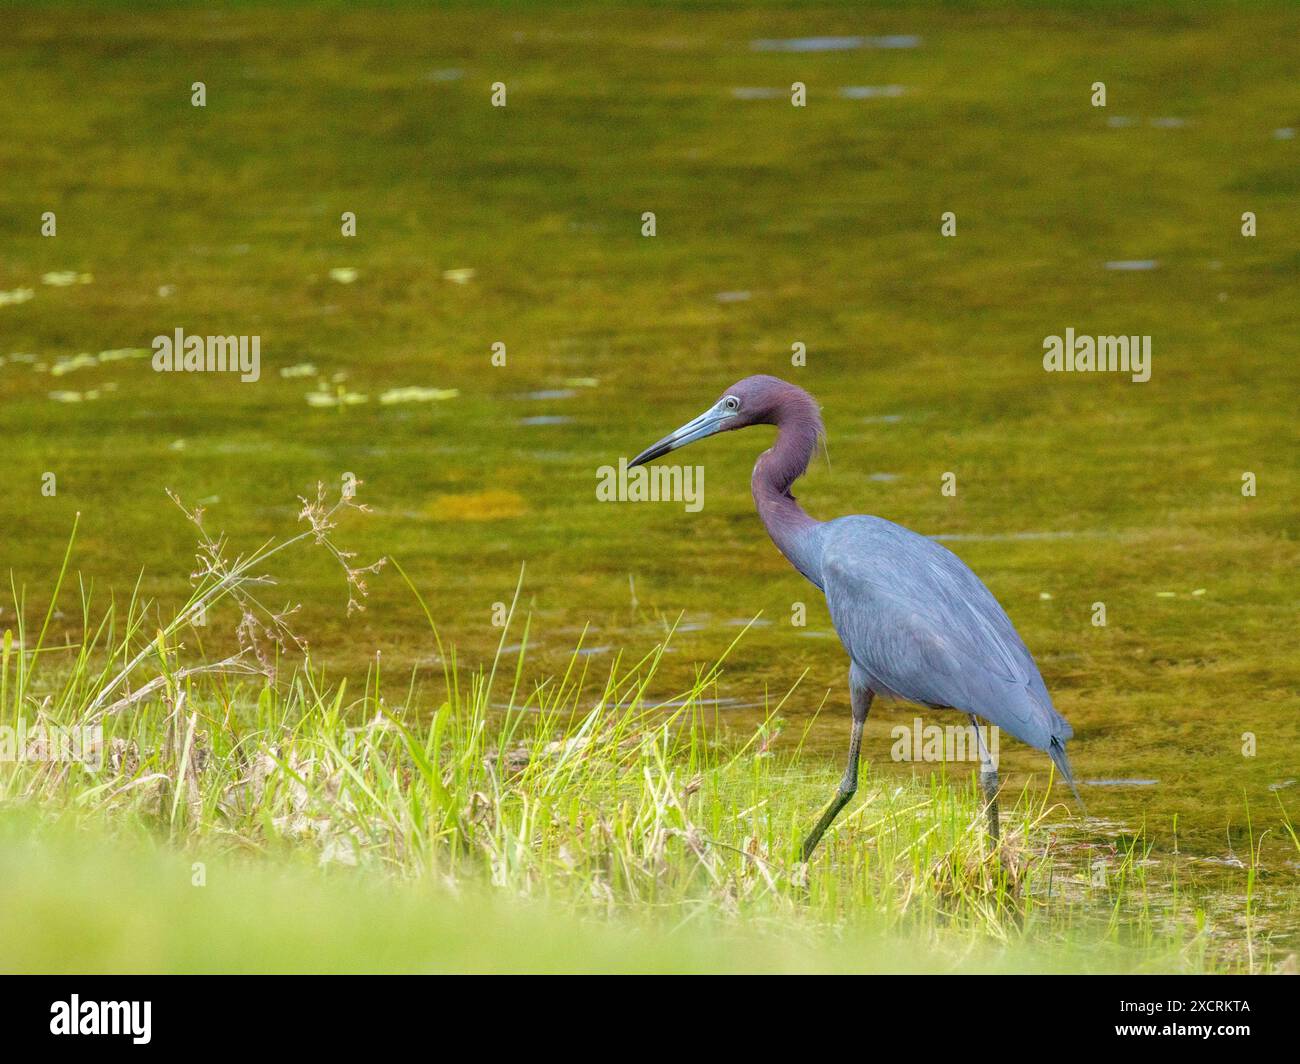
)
(805, 241)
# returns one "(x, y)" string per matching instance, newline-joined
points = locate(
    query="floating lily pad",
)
(16, 295)
(339, 397)
(67, 365)
(418, 395)
(64, 278)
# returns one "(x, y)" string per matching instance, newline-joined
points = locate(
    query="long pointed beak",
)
(711, 421)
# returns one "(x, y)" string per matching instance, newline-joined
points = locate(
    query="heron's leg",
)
(860, 698)
(988, 781)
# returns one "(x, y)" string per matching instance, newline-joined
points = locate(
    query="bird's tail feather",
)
(1056, 751)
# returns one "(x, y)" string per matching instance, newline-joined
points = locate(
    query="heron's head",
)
(759, 400)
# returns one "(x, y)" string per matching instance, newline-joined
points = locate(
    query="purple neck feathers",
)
(799, 426)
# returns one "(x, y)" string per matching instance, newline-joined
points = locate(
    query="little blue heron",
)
(917, 623)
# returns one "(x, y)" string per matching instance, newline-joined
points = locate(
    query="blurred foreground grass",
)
(82, 904)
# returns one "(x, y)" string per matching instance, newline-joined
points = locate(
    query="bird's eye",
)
(731, 403)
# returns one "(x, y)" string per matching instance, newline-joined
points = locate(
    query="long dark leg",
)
(861, 701)
(988, 782)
